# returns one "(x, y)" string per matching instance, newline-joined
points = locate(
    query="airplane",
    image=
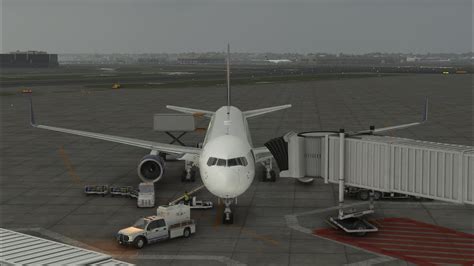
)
(277, 61)
(227, 159)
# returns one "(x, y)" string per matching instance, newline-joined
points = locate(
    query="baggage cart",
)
(96, 190)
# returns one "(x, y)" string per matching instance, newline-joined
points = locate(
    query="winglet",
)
(378, 130)
(425, 111)
(32, 113)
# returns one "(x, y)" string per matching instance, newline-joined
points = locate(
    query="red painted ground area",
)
(412, 241)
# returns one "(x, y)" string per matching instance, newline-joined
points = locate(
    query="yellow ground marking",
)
(69, 166)
(263, 238)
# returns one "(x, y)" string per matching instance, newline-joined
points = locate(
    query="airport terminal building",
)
(28, 59)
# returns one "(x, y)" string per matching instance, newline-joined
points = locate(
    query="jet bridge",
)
(419, 168)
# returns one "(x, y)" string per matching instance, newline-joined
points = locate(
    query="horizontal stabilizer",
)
(259, 112)
(195, 112)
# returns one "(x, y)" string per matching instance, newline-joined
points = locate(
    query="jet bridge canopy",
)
(418, 168)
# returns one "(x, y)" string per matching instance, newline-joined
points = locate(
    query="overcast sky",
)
(303, 26)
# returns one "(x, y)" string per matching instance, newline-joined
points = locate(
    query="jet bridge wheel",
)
(359, 226)
(377, 195)
(363, 194)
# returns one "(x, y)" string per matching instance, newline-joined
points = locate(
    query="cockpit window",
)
(212, 161)
(233, 162)
(229, 163)
(237, 161)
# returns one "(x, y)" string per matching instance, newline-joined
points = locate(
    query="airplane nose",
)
(224, 184)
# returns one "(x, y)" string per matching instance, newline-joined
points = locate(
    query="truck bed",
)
(177, 230)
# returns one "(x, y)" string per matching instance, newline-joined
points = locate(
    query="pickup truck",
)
(170, 222)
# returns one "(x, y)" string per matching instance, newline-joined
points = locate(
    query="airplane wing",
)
(384, 129)
(262, 154)
(150, 145)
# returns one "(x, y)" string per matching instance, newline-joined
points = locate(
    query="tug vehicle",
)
(146, 195)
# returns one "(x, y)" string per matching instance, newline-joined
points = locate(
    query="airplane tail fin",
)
(195, 112)
(228, 78)
(259, 112)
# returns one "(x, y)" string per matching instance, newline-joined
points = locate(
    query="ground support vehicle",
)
(146, 195)
(170, 222)
(198, 204)
(96, 190)
(120, 191)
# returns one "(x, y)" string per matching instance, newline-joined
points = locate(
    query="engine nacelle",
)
(151, 168)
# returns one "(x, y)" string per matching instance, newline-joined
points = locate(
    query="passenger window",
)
(212, 161)
(221, 162)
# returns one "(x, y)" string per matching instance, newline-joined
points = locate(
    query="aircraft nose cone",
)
(224, 184)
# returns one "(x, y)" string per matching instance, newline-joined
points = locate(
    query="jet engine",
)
(151, 168)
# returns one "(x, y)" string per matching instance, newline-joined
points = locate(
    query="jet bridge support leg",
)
(351, 221)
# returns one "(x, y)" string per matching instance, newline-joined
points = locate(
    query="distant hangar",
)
(28, 59)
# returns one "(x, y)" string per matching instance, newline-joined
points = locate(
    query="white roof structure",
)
(22, 249)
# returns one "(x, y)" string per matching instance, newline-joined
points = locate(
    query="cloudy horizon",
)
(300, 26)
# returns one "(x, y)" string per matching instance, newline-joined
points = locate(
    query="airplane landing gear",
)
(189, 174)
(228, 217)
(268, 174)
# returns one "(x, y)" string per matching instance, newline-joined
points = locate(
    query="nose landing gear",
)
(228, 217)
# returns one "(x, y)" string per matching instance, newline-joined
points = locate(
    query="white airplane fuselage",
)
(223, 170)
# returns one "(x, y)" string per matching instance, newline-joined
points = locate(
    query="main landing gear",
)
(228, 217)
(189, 174)
(269, 174)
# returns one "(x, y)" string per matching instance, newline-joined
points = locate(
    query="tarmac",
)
(43, 173)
